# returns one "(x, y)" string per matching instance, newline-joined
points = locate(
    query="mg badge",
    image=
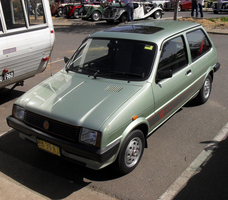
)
(46, 125)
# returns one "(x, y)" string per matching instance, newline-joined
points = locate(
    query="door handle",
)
(188, 72)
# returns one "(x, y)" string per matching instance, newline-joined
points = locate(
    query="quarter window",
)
(35, 12)
(173, 56)
(198, 43)
(13, 13)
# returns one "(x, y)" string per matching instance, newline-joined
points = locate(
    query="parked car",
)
(142, 10)
(77, 10)
(183, 5)
(119, 86)
(91, 11)
(221, 6)
(160, 3)
(71, 10)
(57, 6)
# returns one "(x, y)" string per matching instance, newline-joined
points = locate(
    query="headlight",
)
(91, 137)
(18, 112)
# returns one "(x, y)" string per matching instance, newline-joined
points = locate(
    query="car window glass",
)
(13, 13)
(0, 25)
(198, 43)
(35, 12)
(173, 55)
(127, 57)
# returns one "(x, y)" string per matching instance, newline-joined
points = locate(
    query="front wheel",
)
(157, 15)
(179, 8)
(60, 12)
(205, 91)
(131, 152)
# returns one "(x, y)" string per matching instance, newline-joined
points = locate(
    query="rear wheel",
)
(76, 13)
(205, 91)
(157, 15)
(123, 18)
(96, 16)
(131, 152)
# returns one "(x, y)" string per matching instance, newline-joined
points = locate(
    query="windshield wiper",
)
(97, 73)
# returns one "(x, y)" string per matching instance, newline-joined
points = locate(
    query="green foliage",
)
(224, 19)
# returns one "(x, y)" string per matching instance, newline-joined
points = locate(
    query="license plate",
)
(48, 147)
(6, 76)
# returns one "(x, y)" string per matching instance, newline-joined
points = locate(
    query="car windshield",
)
(113, 58)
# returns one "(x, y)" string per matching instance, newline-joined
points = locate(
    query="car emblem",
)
(46, 125)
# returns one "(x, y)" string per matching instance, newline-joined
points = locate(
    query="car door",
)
(170, 93)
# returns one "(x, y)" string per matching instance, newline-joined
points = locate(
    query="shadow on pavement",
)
(8, 95)
(211, 182)
(42, 172)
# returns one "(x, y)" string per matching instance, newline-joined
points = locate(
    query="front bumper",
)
(88, 156)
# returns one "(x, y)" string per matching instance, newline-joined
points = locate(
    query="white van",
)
(26, 39)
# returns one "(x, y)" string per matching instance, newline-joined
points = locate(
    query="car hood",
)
(78, 100)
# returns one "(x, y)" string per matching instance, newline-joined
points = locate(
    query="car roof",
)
(147, 30)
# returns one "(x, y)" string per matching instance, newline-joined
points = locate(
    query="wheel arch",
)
(138, 124)
(212, 75)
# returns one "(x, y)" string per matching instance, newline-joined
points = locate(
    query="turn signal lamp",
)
(135, 117)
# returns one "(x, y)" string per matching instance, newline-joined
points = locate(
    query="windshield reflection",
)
(113, 58)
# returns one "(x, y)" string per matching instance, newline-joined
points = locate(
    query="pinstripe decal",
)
(172, 105)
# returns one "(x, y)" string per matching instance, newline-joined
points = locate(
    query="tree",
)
(176, 9)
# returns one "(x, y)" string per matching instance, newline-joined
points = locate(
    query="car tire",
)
(205, 91)
(76, 14)
(179, 8)
(96, 16)
(60, 12)
(160, 6)
(157, 15)
(130, 153)
(123, 18)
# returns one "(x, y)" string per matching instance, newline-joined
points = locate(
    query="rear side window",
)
(35, 12)
(0, 25)
(16, 11)
(198, 43)
(173, 56)
(13, 13)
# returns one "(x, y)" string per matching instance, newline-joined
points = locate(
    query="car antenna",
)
(50, 66)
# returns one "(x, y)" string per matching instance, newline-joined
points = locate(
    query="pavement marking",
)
(56, 61)
(194, 167)
(1, 134)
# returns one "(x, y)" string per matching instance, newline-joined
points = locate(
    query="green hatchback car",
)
(117, 88)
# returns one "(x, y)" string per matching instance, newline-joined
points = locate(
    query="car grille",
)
(56, 128)
(109, 12)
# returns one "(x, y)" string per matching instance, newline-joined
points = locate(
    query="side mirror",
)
(66, 59)
(164, 74)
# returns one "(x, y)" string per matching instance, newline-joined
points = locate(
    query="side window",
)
(1, 25)
(35, 12)
(13, 13)
(173, 56)
(198, 43)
